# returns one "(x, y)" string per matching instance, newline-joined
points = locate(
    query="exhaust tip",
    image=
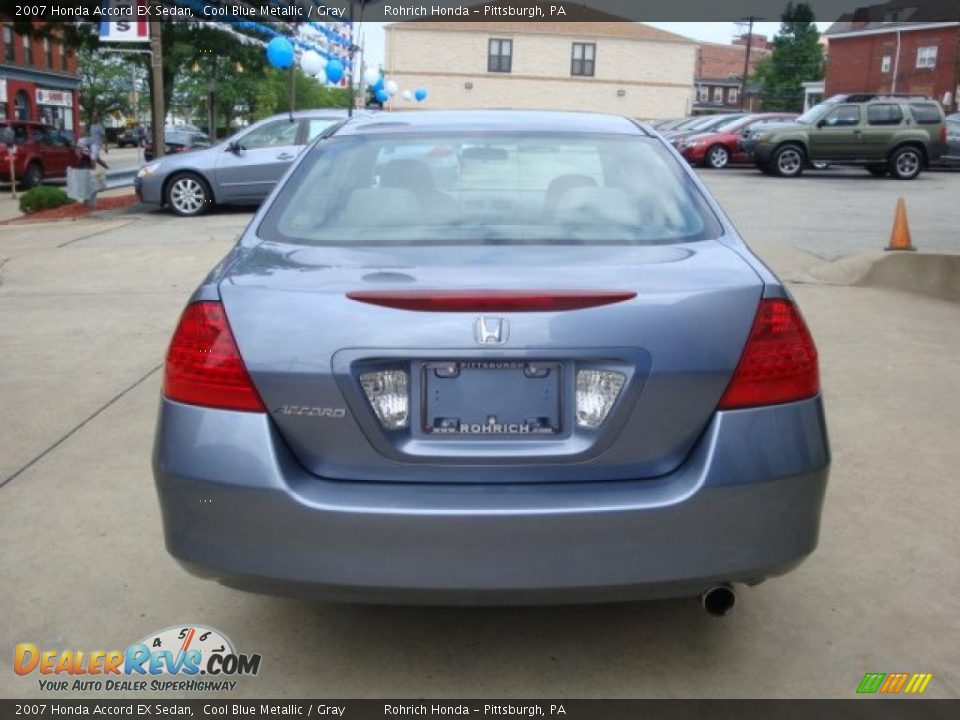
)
(719, 600)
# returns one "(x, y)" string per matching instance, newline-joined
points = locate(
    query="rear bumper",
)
(237, 507)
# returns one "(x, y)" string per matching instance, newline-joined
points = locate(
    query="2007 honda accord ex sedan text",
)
(557, 376)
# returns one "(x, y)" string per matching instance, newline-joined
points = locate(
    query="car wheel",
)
(906, 163)
(877, 170)
(718, 157)
(788, 161)
(188, 195)
(33, 176)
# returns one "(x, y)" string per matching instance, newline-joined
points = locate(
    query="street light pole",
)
(156, 95)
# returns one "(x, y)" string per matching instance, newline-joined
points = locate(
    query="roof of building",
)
(492, 120)
(895, 15)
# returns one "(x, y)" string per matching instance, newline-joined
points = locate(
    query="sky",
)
(722, 32)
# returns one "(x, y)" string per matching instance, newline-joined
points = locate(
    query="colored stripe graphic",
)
(893, 683)
(871, 682)
(918, 683)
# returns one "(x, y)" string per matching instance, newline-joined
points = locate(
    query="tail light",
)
(779, 362)
(204, 366)
(943, 134)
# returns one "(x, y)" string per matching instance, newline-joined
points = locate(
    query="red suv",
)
(42, 152)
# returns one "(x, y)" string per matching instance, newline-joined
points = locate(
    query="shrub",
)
(43, 197)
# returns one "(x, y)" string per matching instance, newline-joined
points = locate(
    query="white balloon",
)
(311, 63)
(407, 95)
(392, 87)
(370, 75)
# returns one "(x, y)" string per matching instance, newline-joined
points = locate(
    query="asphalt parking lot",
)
(86, 310)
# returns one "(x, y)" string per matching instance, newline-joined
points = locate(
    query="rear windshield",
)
(489, 188)
(926, 113)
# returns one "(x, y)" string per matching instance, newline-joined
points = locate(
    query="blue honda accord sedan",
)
(559, 376)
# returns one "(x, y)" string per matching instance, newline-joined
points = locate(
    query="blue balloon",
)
(378, 85)
(381, 95)
(280, 53)
(334, 71)
(420, 94)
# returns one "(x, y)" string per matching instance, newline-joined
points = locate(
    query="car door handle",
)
(285, 156)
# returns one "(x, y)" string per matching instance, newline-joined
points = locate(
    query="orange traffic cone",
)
(900, 237)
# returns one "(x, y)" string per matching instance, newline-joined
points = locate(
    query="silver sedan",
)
(240, 170)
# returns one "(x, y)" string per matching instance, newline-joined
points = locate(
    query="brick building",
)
(870, 52)
(38, 79)
(719, 74)
(623, 67)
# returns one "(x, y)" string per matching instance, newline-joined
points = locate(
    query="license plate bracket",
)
(491, 398)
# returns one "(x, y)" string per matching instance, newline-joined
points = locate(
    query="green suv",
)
(895, 134)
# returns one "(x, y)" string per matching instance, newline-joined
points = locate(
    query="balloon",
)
(378, 85)
(370, 75)
(420, 94)
(381, 96)
(311, 63)
(392, 87)
(334, 71)
(280, 53)
(407, 95)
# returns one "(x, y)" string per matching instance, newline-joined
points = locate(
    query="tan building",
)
(616, 67)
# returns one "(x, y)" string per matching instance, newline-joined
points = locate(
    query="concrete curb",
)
(931, 274)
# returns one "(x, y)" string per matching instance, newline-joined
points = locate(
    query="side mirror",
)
(234, 147)
(821, 123)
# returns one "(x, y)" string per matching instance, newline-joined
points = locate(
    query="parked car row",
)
(889, 134)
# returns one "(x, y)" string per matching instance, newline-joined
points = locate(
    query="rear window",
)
(489, 188)
(887, 114)
(926, 113)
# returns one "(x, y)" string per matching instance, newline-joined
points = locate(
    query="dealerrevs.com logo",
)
(179, 658)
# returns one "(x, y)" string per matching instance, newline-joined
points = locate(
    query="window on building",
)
(8, 43)
(885, 63)
(21, 105)
(48, 52)
(732, 95)
(927, 56)
(64, 57)
(500, 55)
(843, 116)
(582, 59)
(27, 57)
(718, 94)
(703, 93)
(884, 114)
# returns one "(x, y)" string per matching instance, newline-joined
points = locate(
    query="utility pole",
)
(156, 95)
(746, 62)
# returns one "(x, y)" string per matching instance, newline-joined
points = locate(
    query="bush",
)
(43, 197)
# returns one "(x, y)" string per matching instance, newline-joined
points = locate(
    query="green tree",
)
(106, 83)
(797, 57)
